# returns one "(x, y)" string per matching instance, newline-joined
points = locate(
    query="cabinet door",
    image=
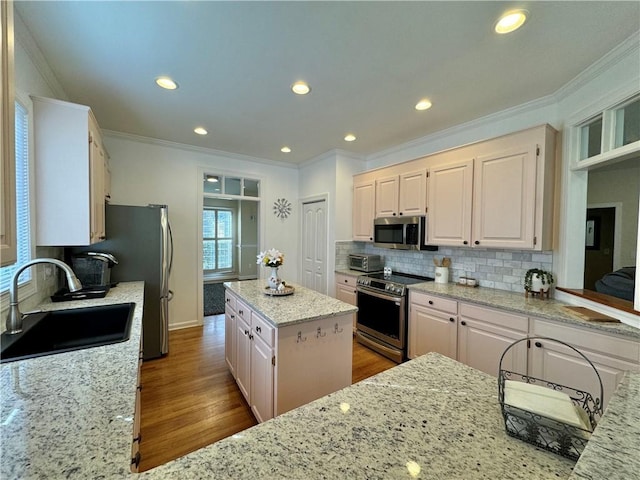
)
(363, 211)
(347, 294)
(230, 340)
(243, 358)
(96, 172)
(261, 379)
(450, 198)
(481, 344)
(504, 206)
(413, 193)
(387, 197)
(431, 331)
(8, 233)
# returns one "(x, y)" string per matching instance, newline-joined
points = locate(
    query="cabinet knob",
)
(250, 337)
(463, 323)
(227, 300)
(465, 243)
(400, 213)
(258, 329)
(346, 281)
(430, 302)
(370, 238)
(241, 312)
(538, 344)
(451, 319)
(233, 316)
(477, 242)
(136, 460)
(246, 332)
(138, 438)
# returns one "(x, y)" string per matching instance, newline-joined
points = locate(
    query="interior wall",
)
(147, 172)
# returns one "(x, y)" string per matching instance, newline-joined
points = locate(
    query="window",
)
(217, 233)
(591, 139)
(236, 186)
(23, 222)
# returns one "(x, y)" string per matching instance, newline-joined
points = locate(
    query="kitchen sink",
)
(58, 331)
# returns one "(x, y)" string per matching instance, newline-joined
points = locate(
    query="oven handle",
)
(379, 295)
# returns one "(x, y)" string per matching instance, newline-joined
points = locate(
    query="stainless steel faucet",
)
(14, 318)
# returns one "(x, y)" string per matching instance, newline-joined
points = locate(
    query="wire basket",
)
(543, 431)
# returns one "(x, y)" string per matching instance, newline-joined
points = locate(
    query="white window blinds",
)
(23, 224)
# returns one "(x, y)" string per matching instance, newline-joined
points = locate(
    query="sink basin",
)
(58, 331)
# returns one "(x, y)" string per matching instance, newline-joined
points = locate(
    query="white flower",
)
(271, 258)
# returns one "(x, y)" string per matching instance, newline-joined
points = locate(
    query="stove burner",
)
(394, 284)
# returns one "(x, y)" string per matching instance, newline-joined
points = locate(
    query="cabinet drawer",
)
(243, 311)
(496, 317)
(262, 329)
(229, 299)
(342, 279)
(597, 342)
(434, 302)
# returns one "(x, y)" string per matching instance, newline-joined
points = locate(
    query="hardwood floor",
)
(190, 400)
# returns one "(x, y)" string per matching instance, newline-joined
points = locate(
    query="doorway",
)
(314, 244)
(599, 245)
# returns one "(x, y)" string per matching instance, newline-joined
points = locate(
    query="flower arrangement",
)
(271, 258)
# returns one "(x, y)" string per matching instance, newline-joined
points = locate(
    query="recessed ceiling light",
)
(166, 82)
(350, 137)
(285, 150)
(423, 104)
(300, 88)
(200, 130)
(510, 21)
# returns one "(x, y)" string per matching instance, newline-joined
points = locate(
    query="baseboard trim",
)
(181, 325)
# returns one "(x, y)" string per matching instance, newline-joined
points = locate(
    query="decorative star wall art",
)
(282, 208)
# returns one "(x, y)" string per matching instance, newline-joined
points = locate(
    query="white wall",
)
(143, 172)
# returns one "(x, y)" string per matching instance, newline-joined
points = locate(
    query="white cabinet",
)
(69, 173)
(230, 332)
(432, 325)
(8, 234)
(363, 210)
(485, 333)
(554, 362)
(346, 292)
(401, 195)
(496, 194)
(278, 369)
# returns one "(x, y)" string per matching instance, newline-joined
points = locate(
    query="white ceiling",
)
(368, 63)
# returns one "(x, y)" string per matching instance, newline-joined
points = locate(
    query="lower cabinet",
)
(477, 336)
(346, 292)
(279, 369)
(137, 435)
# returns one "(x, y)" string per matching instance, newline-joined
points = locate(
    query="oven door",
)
(382, 316)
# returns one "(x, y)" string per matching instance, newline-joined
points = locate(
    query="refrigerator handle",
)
(170, 296)
(171, 246)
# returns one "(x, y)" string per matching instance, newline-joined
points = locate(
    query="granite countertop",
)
(352, 273)
(516, 302)
(70, 415)
(431, 413)
(304, 305)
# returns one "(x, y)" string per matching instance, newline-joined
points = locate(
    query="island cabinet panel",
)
(346, 292)
(313, 359)
(485, 333)
(610, 355)
(432, 325)
(230, 339)
(364, 203)
(243, 357)
(261, 379)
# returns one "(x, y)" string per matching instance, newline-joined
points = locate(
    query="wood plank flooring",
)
(190, 400)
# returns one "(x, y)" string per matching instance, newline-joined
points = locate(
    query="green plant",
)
(545, 277)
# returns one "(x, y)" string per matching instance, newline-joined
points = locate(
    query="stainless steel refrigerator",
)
(140, 239)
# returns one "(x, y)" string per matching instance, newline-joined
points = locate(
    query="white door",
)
(314, 245)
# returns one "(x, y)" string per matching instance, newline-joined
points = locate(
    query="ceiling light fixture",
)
(510, 21)
(211, 178)
(350, 137)
(423, 104)
(285, 150)
(300, 88)
(200, 131)
(167, 83)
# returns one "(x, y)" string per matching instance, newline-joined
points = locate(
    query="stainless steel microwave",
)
(403, 233)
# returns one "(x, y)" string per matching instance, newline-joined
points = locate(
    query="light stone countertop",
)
(70, 415)
(302, 306)
(516, 302)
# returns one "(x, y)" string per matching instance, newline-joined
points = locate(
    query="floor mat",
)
(213, 298)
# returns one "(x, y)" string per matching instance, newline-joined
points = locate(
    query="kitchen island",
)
(286, 350)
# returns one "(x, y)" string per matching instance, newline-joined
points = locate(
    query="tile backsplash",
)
(501, 269)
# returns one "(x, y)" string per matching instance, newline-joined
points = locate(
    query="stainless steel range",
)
(383, 313)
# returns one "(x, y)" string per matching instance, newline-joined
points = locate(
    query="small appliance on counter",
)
(93, 269)
(365, 262)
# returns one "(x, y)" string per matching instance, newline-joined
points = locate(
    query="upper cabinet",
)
(8, 236)
(495, 194)
(387, 196)
(364, 197)
(70, 174)
(401, 195)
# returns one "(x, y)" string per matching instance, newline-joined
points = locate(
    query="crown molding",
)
(192, 148)
(331, 154)
(608, 61)
(25, 39)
